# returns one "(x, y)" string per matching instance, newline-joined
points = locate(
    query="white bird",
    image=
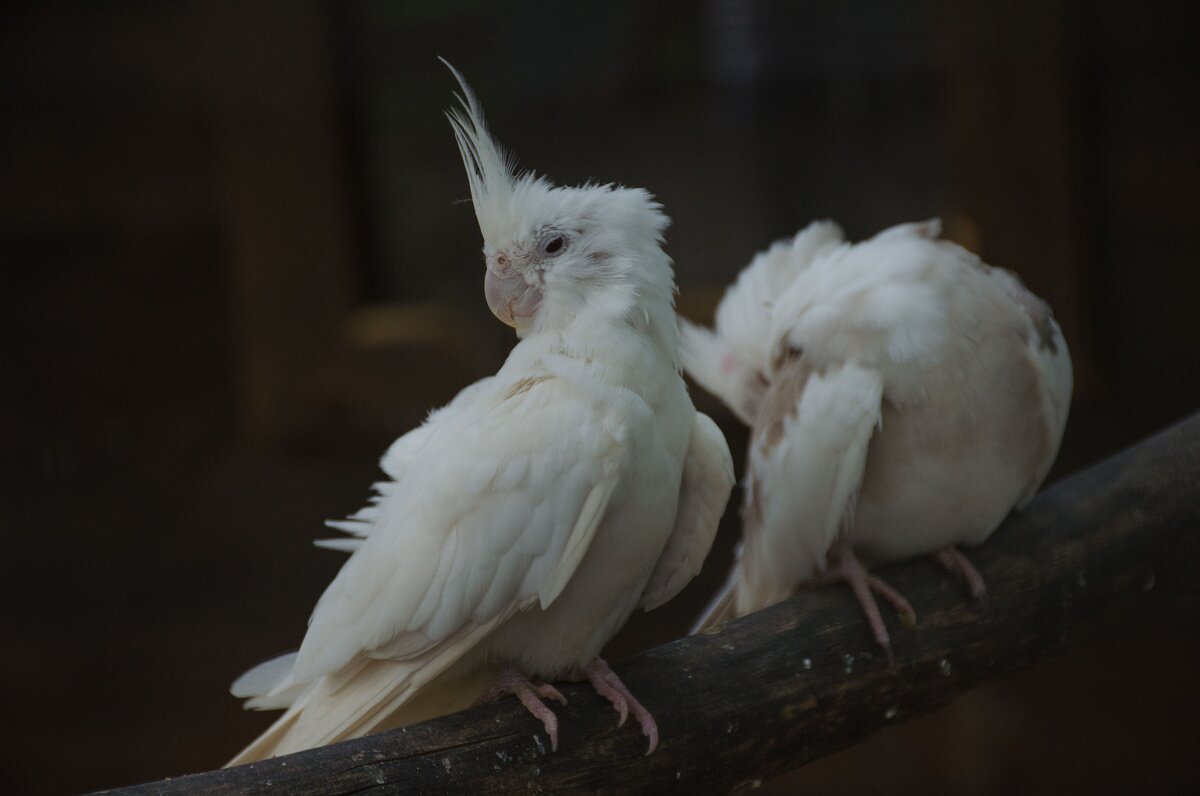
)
(526, 520)
(903, 398)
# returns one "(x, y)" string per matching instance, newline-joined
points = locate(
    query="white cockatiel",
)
(526, 520)
(903, 397)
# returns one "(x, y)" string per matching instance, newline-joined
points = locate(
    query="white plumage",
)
(526, 520)
(903, 397)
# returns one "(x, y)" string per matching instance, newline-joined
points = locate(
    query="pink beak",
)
(510, 297)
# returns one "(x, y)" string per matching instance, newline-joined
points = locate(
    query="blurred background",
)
(235, 264)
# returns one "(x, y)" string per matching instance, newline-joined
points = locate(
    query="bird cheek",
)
(510, 297)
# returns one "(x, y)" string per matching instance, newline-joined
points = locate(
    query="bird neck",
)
(648, 324)
(629, 333)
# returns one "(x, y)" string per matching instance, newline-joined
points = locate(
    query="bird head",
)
(557, 254)
(750, 318)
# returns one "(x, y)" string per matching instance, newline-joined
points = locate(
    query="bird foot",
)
(847, 568)
(956, 563)
(512, 681)
(609, 686)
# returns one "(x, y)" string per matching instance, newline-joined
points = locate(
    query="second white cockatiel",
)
(903, 398)
(524, 522)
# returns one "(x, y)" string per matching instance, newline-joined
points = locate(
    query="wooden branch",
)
(777, 689)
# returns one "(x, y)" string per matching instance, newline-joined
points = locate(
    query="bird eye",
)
(553, 245)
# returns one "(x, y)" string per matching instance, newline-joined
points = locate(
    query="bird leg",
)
(609, 686)
(512, 681)
(846, 567)
(956, 563)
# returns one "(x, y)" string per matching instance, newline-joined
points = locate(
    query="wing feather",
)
(703, 494)
(712, 364)
(809, 459)
(1047, 352)
(471, 529)
(395, 462)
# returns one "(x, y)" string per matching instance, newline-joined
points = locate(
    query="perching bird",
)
(525, 521)
(902, 397)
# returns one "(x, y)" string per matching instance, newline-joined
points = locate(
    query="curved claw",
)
(547, 691)
(954, 562)
(609, 686)
(848, 569)
(512, 681)
(908, 616)
(605, 689)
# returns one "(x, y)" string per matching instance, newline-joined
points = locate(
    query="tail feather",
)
(268, 685)
(739, 596)
(371, 694)
(722, 607)
(264, 745)
(379, 696)
(712, 364)
(263, 678)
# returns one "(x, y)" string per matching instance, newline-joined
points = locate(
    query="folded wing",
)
(468, 537)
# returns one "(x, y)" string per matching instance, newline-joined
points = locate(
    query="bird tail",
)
(742, 594)
(711, 363)
(723, 606)
(371, 696)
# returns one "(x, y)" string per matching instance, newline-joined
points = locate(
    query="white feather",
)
(713, 365)
(267, 686)
(743, 318)
(527, 519)
(964, 369)
(338, 545)
(708, 465)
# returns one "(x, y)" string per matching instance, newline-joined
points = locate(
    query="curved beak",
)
(511, 298)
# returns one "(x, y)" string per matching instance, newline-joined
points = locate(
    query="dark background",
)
(234, 265)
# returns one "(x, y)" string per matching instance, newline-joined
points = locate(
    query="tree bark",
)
(774, 690)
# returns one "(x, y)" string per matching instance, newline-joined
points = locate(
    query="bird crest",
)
(613, 260)
(491, 171)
